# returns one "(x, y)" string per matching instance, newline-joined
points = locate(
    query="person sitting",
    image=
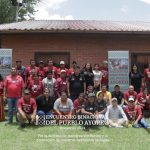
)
(134, 114)
(106, 93)
(63, 107)
(78, 104)
(113, 113)
(45, 103)
(118, 94)
(27, 109)
(89, 112)
(101, 106)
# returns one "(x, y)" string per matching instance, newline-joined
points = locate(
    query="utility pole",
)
(18, 8)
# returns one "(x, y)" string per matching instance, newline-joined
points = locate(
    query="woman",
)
(88, 74)
(97, 75)
(135, 78)
(2, 116)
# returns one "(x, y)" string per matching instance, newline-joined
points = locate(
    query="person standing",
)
(76, 84)
(135, 78)
(49, 82)
(13, 87)
(2, 115)
(61, 84)
(147, 78)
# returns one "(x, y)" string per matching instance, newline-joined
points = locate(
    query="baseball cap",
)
(91, 95)
(41, 62)
(26, 91)
(63, 71)
(62, 63)
(117, 85)
(114, 99)
(131, 99)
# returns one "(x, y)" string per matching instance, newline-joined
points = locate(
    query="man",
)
(49, 82)
(13, 87)
(51, 67)
(62, 67)
(106, 93)
(76, 84)
(118, 94)
(130, 93)
(71, 70)
(63, 106)
(113, 113)
(61, 84)
(30, 68)
(26, 109)
(20, 69)
(134, 114)
(45, 103)
(89, 112)
(147, 78)
(41, 72)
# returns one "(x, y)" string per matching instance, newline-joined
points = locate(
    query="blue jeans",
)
(42, 113)
(12, 107)
(142, 123)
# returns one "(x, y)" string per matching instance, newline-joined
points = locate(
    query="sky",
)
(113, 10)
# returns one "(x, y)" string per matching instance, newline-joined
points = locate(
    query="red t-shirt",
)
(127, 94)
(59, 72)
(142, 99)
(36, 89)
(104, 76)
(14, 87)
(60, 86)
(1, 87)
(29, 69)
(77, 105)
(133, 113)
(53, 68)
(41, 73)
(70, 71)
(27, 106)
(147, 74)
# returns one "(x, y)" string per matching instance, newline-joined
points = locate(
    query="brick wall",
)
(82, 47)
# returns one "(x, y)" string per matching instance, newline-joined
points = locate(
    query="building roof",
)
(79, 26)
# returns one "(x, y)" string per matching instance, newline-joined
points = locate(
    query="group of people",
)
(35, 91)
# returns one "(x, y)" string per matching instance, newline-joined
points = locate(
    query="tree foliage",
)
(8, 10)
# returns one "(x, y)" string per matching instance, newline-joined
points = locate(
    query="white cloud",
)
(45, 5)
(53, 4)
(145, 1)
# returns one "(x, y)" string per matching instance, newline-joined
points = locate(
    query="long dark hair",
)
(90, 67)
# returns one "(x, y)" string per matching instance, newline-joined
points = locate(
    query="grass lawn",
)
(72, 137)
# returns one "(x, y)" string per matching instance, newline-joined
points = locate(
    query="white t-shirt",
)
(97, 75)
(49, 83)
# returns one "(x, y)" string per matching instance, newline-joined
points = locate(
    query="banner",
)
(5, 61)
(118, 69)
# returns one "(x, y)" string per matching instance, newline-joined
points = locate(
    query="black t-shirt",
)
(101, 105)
(90, 107)
(136, 80)
(76, 84)
(118, 95)
(43, 104)
(88, 75)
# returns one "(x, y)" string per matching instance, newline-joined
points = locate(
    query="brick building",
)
(83, 41)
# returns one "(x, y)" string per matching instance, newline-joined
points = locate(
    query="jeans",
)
(142, 123)
(42, 113)
(12, 107)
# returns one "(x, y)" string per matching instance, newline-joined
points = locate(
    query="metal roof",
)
(86, 26)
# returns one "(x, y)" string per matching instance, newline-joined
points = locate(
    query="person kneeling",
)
(26, 109)
(113, 115)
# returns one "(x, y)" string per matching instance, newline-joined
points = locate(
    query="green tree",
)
(8, 10)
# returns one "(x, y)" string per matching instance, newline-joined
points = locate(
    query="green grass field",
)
(72, 137)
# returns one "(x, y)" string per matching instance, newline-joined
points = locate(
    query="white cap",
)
(62, 63)
(131, 99)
